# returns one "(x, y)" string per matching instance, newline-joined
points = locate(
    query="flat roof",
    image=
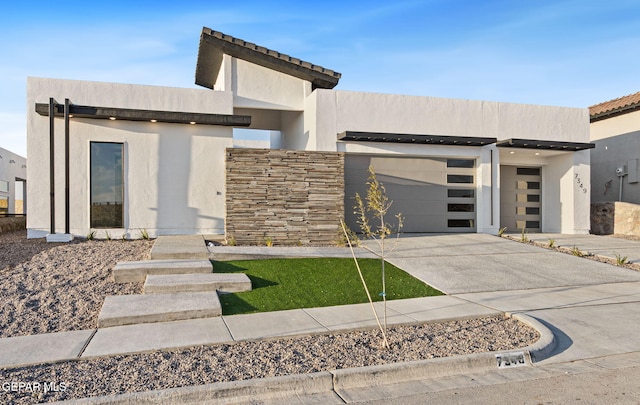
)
(175, 117)
(414, 138)
(548, 145)
(214, 44)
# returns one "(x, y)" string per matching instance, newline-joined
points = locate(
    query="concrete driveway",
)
(465, 263)
(591, 307)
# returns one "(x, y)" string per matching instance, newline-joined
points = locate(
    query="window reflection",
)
(106, 185)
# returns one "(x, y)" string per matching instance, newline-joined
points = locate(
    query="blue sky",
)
(565, 52)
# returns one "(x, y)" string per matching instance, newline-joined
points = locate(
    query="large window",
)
(4, 186)
(107, 190)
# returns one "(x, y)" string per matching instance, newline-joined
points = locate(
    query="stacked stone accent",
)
(283, 196)
(618, 218)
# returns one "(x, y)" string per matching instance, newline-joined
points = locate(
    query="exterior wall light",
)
(154, 120)
(192, 123)
(112, 118)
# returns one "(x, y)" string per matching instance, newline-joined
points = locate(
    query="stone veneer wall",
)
(618, 218)
(292, 197)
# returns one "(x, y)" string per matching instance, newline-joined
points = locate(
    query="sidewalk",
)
(54, 347)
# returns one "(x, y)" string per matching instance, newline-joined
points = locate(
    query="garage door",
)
(433, 194)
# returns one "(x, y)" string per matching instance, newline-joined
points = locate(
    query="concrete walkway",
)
(592, 309)
(53, 347)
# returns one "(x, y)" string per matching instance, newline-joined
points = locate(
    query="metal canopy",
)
(110, 113)
(548, 145)
(412, 138)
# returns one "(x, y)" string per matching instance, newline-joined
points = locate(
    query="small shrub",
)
(231, 241)
(123, 237)
(552, 243)
(144, 234)
(341, 238)
(621, 260)
(298, 242)
(268, 241)
(501, 231)
(523, 237)
(576, 252)
(91, 235)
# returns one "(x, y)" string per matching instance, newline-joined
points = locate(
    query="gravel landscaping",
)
(58, 287)
(54, 287)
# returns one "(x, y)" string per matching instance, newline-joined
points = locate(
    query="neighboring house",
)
(615, 129)
(162, 159)
(13, 174)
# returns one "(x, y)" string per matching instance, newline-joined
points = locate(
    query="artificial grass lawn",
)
(280, 284)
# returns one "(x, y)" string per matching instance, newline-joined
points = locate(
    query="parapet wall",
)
(283, 197)
(618, 218)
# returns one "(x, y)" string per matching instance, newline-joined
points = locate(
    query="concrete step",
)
(120, 310)
(179, 247)
(130, 272)
(224, 282)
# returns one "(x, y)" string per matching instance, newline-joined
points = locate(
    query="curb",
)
(263, 389)
(225, 392)
(545, 345)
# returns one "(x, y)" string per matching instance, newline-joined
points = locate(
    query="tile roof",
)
(614, 107)
(213, 44)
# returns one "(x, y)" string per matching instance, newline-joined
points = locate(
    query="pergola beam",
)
(126, 114)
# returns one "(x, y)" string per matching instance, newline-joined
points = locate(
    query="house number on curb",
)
(579, 182)
(508, 360)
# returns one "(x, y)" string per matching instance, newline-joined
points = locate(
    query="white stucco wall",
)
(619, 125)
(488, 190)
(338, 111)
(255, 86)
(12, 166)
(174, 180)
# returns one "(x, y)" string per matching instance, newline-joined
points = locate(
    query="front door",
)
(520, 198)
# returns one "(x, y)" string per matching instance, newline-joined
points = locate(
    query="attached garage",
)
(433, 194)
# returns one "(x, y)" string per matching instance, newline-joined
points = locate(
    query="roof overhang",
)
(412, 138)
(615, 112)
(126, 114)
(545, 145)
(213, 45)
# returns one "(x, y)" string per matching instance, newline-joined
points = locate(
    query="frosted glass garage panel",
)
(418, 188)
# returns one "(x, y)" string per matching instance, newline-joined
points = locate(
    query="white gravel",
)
(52, 287)
(49, 288)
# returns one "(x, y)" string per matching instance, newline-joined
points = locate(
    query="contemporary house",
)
(13, 175)
(126, 158)
(615, 129)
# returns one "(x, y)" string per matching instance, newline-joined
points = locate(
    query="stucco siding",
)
(258, 87)
(172, 172)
